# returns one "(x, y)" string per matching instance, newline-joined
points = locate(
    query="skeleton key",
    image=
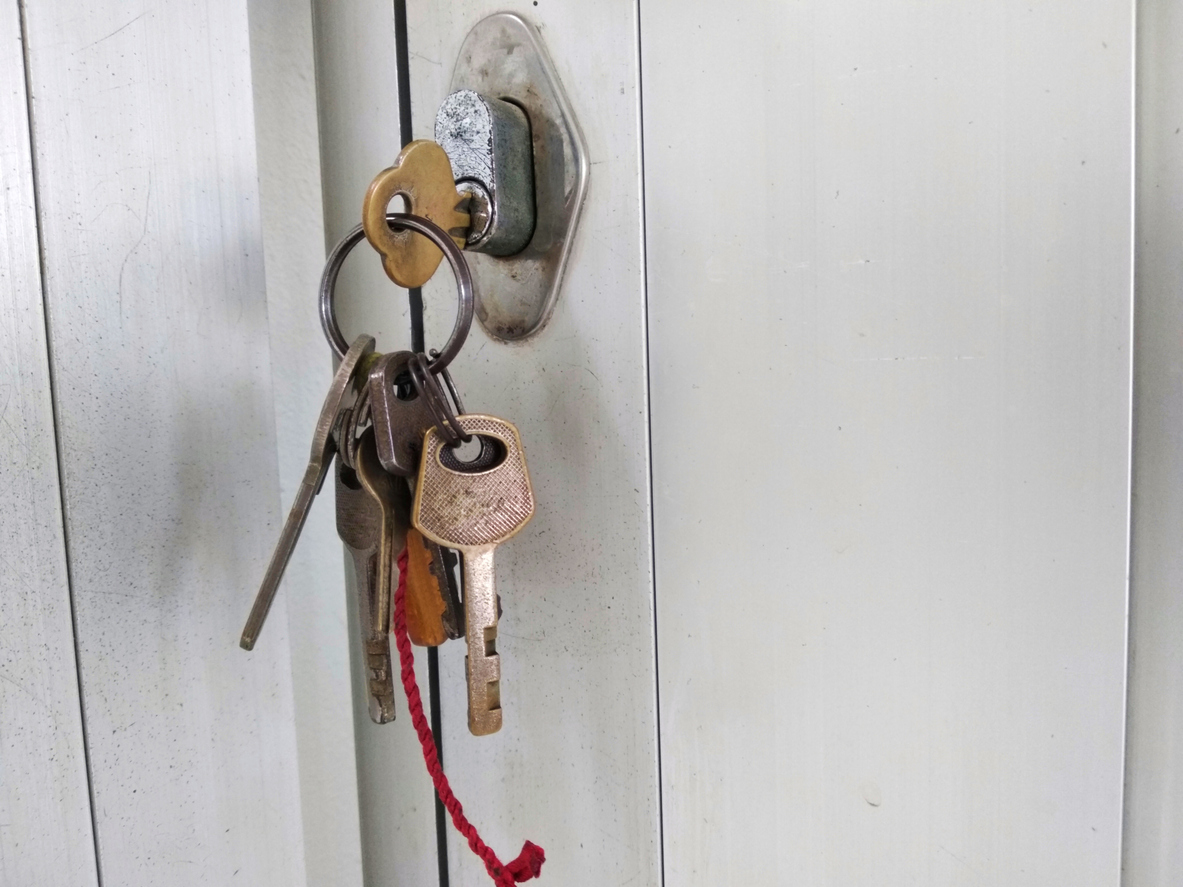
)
(475, 512)
(319, 463)
(360, 526)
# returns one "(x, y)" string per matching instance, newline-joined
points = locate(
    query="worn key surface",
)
(422, 174)
(434, 612)
(321, 459)
(394, 500)
(474, 512)
(359, 524)
(399, 424)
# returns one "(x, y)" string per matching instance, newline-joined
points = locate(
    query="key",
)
(423, 175)
(474, 513)
(359, 524)
(319, 463)
(372, 512)
(394, 500)
(399, 425)
(433, 606)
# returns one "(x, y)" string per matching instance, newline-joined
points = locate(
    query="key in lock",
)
(506, 178)
(476, 181)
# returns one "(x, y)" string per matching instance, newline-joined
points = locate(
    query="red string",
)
(529, 862)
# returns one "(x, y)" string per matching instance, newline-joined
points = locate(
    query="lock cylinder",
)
(488, 143)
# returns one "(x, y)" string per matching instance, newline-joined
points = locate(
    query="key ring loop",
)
(427, 386)
(328, 285)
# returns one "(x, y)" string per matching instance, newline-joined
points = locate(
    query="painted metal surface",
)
(504, 56)
(359, 136)
(889, 312)
(1153, 851)
(146, 167)
(284, 89)
(574, 767)
(45, 825)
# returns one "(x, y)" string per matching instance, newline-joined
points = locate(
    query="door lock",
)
(487, 141)
(519, 172)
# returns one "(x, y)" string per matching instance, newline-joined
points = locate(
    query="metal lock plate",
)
(503, 58)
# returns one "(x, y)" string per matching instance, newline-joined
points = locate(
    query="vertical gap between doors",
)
(94, 829)
(649, 447)
(415, 296)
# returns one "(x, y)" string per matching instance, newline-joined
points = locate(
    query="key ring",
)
(427, 386)
(328, 286)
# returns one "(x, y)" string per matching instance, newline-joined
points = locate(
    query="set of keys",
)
(399, 443)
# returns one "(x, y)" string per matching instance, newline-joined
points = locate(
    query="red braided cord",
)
(529, 862)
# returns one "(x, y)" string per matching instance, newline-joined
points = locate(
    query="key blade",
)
(393, 497)
(359, 524)
(279, 562)
(483, 664)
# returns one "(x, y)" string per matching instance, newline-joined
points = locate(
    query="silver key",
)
(399, 425)
(473, 512)
(319, 463)
(372, 513)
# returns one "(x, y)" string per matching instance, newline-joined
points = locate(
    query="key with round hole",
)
(362, 526)
(422, 175)
(399, 422)
(473, 508)
(345, 385)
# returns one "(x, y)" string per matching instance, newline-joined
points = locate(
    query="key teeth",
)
(381, 709)
(482, 722)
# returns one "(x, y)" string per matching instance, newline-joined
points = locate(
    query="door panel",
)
(574, 768)
(357, 99)
(146, 172)
(45, 825)
(284, 89)
(889, 305)
(1153, 851)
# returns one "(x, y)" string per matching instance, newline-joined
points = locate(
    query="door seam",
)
(57, 438)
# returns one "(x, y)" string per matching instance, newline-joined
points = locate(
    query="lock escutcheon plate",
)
(502, 57)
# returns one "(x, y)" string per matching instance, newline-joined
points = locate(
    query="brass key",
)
(319, 463)
(423, 175)
(474, 512)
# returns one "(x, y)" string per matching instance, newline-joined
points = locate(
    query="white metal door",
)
(889, 274)
(830, 435)
(137, 131)
(882, 338)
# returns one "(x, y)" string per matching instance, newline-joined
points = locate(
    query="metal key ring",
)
(328, 285)
(427, 386)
